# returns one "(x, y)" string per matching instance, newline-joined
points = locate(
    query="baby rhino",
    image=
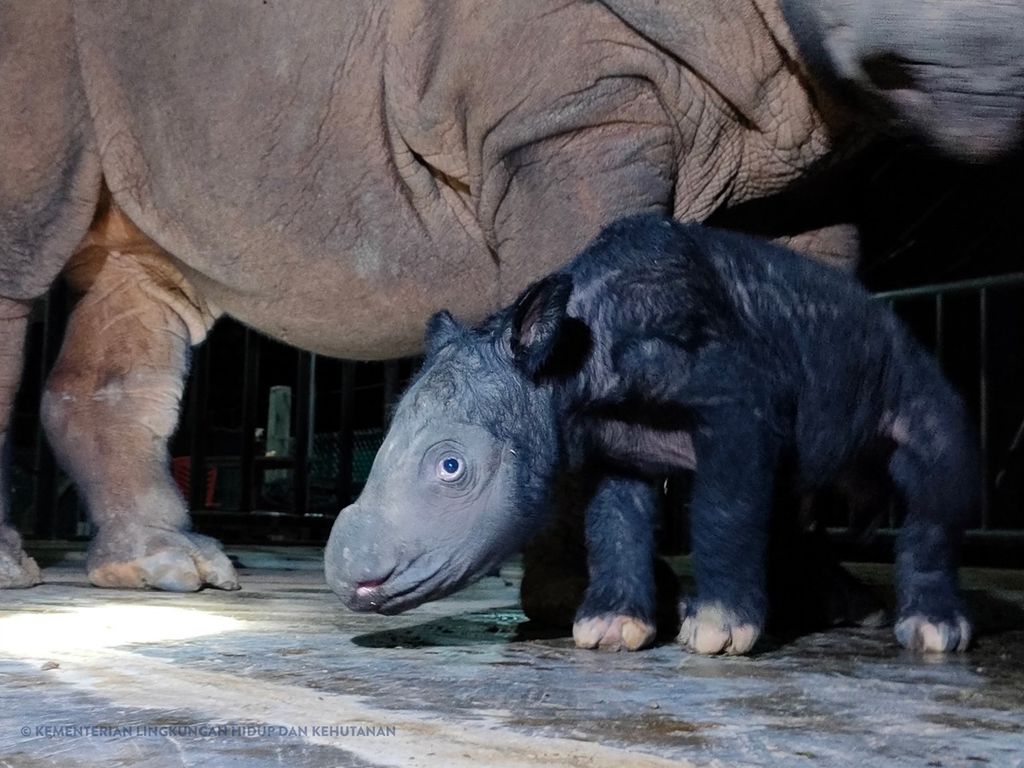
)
(662, 347)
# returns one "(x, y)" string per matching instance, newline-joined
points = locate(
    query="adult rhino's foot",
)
(141, 557)
(933, 635)
(614, 633)
(710, 628)
(619, 611)
(17, 569)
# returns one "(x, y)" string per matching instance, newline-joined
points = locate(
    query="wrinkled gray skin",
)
(332, 173)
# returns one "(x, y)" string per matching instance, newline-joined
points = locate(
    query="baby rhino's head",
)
(462, 478)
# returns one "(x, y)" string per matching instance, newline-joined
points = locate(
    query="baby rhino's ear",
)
(442, 329)
(538, 319)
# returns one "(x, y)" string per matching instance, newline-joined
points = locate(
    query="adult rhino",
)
(332, 173)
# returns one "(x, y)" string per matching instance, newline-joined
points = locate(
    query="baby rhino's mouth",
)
(366, 586)
(403, 588)
(398, 591)
(369, 595)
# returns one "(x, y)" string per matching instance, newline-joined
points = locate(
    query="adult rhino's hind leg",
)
(17, 569)
(111, 404)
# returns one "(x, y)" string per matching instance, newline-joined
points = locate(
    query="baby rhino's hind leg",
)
(935, 467)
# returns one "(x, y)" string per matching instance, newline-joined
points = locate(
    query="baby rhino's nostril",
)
(363, 587)
(367, 587)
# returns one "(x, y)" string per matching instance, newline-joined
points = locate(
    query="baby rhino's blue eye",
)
(450, 469)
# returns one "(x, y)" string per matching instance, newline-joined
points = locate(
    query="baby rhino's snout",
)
(355, 566)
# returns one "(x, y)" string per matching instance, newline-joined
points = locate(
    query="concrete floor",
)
(280, 674)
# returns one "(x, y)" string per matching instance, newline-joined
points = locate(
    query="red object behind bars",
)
(181, 469)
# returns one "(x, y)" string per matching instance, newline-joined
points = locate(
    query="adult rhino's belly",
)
(357, 305)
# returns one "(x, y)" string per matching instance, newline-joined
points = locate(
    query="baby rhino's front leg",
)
(618, 610)
(729, 511)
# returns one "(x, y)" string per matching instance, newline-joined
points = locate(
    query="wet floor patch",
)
(503, 625)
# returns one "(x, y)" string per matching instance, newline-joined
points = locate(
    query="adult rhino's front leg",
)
(17, 569)
(110, 406)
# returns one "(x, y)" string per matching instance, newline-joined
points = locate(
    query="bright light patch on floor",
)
(107, 626)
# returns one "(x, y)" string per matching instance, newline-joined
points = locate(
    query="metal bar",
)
(346, 448)
(904, 241)
(940, 331)
(305, 403)
(198, 399)
(988, 549)
(891, 511)
(1018, 439)
(250, 403)
(1015, 444)
(961, 286)
(983, 404)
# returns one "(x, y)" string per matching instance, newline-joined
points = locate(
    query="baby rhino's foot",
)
(710, 628)
(613, 632)
(917, 632)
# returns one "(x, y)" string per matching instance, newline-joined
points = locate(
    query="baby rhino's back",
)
(837, 355)
(836, 364)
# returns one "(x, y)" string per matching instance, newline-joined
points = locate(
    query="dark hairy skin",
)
(665, 347)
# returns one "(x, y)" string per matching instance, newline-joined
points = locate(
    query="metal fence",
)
(1000, 448)
(328, 468)
(975, 329)
(340, 411)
